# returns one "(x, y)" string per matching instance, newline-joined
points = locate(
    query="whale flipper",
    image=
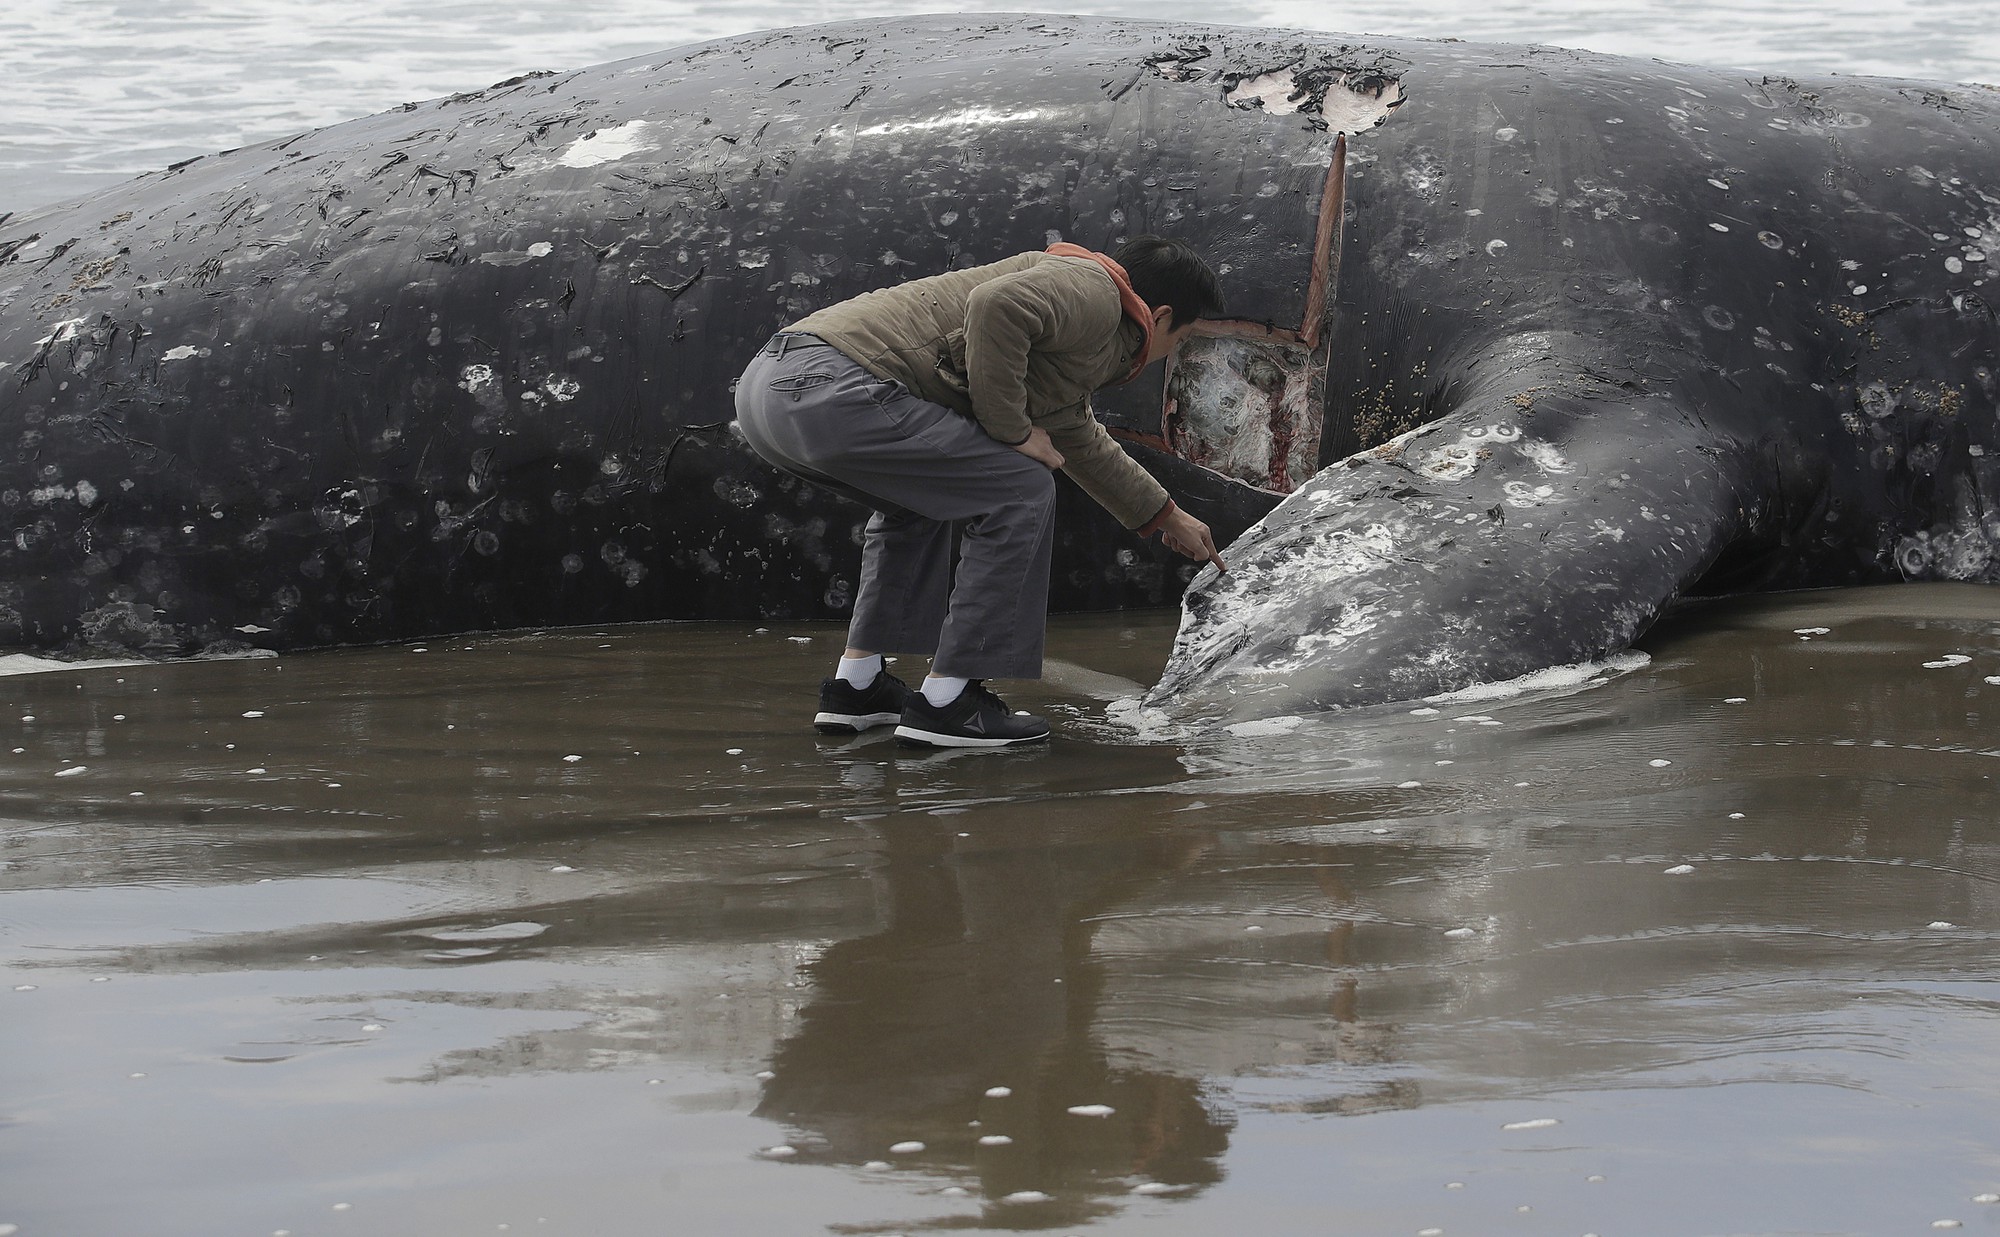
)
(1475, 549)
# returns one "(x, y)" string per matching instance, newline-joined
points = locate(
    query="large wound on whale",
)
(1247, 408)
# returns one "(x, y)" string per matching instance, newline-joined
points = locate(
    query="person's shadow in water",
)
(982, 980)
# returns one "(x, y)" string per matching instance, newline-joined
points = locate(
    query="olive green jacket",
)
(1015, 344)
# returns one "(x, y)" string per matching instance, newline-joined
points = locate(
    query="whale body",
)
(1525, 345)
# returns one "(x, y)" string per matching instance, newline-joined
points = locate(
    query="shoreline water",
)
(354, 928)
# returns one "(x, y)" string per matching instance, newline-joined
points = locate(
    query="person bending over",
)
(950, 401)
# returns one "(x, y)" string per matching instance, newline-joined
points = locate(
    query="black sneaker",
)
(847, 709)
(978, 718)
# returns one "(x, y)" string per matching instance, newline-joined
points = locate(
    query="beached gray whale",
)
(1536, 341)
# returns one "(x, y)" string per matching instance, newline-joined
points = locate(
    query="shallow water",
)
(354, 928)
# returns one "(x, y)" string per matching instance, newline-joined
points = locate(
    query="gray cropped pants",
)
(924, 470)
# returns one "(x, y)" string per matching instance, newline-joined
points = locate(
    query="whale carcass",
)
(1526, 344)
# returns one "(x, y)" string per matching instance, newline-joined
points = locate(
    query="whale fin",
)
(1481, 547)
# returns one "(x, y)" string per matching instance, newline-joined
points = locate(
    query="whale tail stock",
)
(1549, 518)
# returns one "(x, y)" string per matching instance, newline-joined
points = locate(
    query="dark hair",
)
(1166, 271)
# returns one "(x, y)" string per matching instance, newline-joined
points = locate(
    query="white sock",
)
(859, 672)
(941, 691)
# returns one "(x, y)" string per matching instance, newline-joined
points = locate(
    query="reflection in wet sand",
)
(583, 931)
(981, 978)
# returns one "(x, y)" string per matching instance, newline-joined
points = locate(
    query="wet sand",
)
(587, 932)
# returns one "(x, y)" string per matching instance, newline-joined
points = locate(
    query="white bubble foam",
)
(519, 931)
(1942, 924)
(1552, 679)
(1459, 934)
(783, 1151)
(1812, 631)
(572, 758)
(22, 663)
(1266, 727)
(72, 771)
(1027, 1196)
(906, 1148)
(462, 952)
(1538, 1123)
(1659, 764)
(994, 1140)
(1737, 700)
(1091, 1110)
(998, 1093)
(1680, 870)
(1408, 785)
(1947, 661)
(732, 751)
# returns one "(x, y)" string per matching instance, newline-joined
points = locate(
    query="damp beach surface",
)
(588, 932)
